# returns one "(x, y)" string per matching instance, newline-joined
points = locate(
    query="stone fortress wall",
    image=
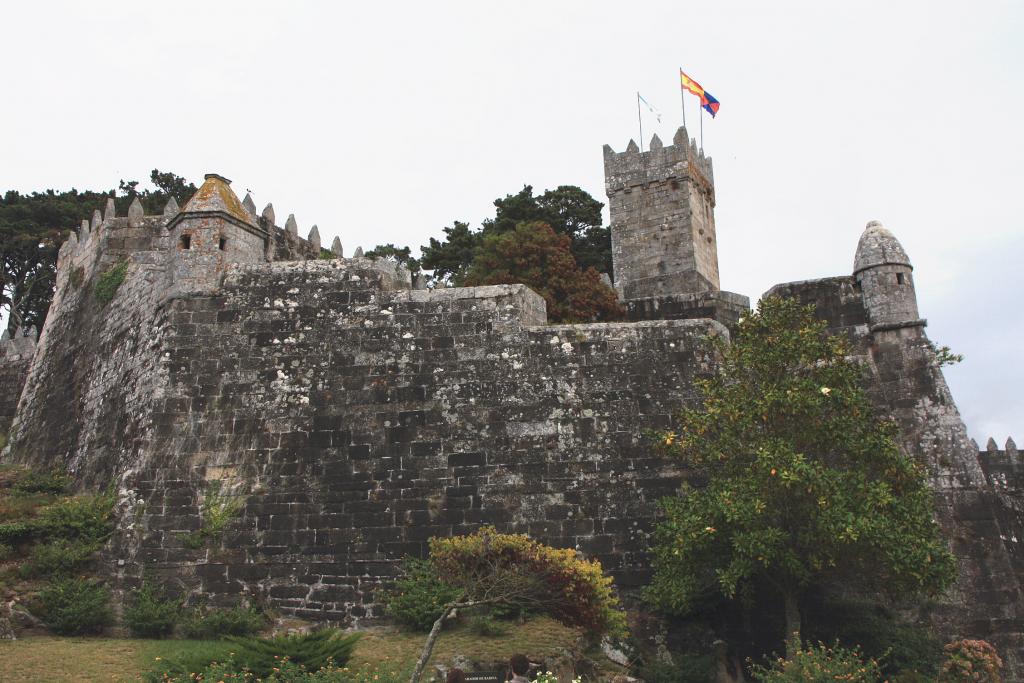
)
(355, 417)
(15, 356)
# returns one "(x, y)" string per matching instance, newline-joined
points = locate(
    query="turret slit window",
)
(186, 241)
(223, 244)
(899, 279)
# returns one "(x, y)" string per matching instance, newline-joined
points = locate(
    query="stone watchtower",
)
(212, 230)
(884, 276)
(664, 244)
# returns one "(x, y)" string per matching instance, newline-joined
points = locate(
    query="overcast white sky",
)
(385, 122)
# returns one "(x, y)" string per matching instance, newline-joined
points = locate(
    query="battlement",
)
(23, 343)
(633, 168)
(1002, 467)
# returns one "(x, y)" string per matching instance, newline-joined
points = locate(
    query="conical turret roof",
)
(215, 196)
(878, 247)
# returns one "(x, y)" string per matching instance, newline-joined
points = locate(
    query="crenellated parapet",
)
(633, 168)
(1003, 468)
(661, 204)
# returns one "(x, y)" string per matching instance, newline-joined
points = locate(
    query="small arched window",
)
(899, 279)
(186, 241)
(223, 244)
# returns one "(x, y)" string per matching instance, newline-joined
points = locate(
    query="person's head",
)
(519, 664)
(455, 676)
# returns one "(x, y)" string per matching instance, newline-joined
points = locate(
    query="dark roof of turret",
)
(878, 247)
(215, 196)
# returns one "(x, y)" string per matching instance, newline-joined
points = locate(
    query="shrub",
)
(313, 650)
(75, 606)
(43, 482)
(87, 518)
(178, 660)
(487, 626)
(419, 596)
(58, 557)
(570, 588)
(685, 668)
(13, 533)
(971, 660)
(285, 672)
(77, 277)
(6, 552)
(819, 664)
(109, 281)
(900, 647)
(218, 509)
(151, 615)
(205, 624)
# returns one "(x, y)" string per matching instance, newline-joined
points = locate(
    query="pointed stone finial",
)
(991, 446)
(977, 448)
(268, 214)
(1011, 446)
(96, 219)
(655, 143)
(291, 227)
(631, 147)
(608, 151)
(109, 211)
(71, 241)
(135, 213)
(336, 248)
(314, 237)
(249, 204)
(84, 232)
(171, 207)
(681, 137)
(358, 253)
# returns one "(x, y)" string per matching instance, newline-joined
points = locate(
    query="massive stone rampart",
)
(357, 420)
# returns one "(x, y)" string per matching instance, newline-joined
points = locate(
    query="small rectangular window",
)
(186, 241)
(899, 278)
(223, 244)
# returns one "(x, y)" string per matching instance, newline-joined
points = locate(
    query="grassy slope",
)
(46, 659)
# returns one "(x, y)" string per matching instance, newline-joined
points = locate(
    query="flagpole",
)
(682, 96)
(640, 119)
(700, 112)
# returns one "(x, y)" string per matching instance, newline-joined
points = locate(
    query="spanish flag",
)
(707, 101)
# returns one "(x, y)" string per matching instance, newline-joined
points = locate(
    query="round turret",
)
(884, 276)
(879, 247)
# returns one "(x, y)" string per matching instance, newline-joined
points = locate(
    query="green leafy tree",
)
(803, 484)
(569, 211)
(534, 255)
(449, 259)
(403, 256)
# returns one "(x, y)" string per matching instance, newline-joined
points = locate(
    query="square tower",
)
(213, 230)
(662, 205)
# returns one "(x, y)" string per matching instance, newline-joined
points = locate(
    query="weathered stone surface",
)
(661, 204)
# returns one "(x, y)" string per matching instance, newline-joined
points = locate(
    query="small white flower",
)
(826, 391)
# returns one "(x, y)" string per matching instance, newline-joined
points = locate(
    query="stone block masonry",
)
(357, 420)
(15, 357)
